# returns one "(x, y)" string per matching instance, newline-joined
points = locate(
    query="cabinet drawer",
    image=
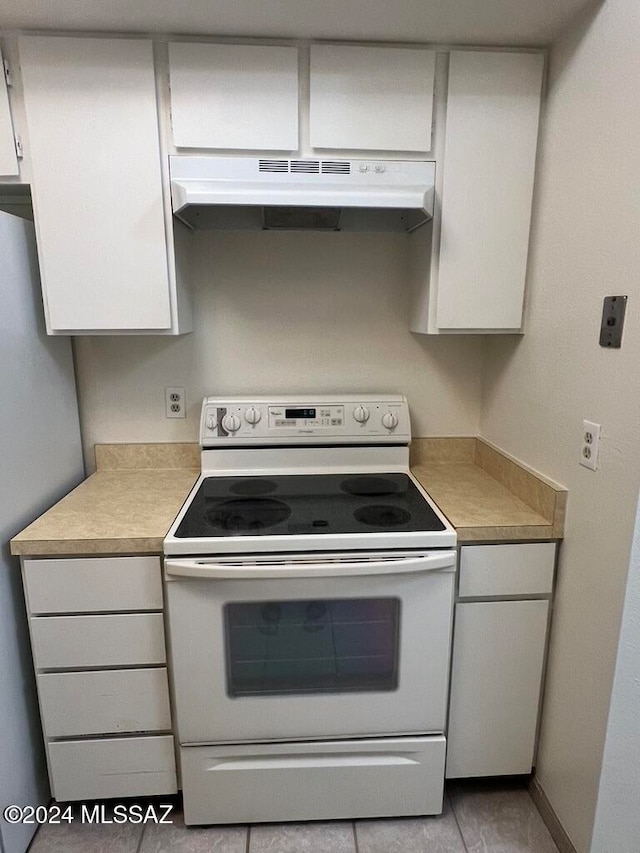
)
(112, 767)
(75, 642)
(87, 585)
(507, 569)
(246, 783)
(107, 702)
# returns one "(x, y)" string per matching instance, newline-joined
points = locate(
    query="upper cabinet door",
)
(493, 108)
(97, 183)
(8, 158)
(371, 98)
(234, 96)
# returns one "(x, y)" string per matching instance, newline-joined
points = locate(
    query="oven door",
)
(297, 648)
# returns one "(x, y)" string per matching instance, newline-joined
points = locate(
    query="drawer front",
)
(88, 585)
(74, 642)
(507, 569)
(107, 702)
(313, 781)
(112, 767)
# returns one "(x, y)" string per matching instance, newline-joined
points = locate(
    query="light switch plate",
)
(612, 324)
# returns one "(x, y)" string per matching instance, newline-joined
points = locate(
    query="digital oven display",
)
(299, 413)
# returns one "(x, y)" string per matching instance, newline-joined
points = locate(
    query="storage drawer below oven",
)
(313, 781)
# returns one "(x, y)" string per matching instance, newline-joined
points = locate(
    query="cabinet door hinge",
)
(19, 148)
(7, 73)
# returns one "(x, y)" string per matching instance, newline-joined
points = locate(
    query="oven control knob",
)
(231, 423)
(389, 420)
(361, 414)
(252, 415)
(212, 423)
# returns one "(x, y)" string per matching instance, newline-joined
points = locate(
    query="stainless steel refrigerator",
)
(40, 460)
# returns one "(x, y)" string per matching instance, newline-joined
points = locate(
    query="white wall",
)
(279, 312)
(538, 390)
(617, 823)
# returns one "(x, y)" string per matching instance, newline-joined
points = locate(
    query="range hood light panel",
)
(295, 218)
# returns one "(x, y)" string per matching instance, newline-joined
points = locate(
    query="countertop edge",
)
(148, 546)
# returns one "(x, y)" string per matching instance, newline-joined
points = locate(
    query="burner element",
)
(252, 486)
(380, 515)
(369, 486)
(248, 514)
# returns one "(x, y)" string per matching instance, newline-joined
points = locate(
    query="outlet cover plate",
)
(175, 402)
(590, 445)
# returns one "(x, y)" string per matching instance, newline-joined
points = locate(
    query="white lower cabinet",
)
(497, 669)
(101, 674)
(498, 659)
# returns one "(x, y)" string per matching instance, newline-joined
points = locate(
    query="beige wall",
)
(538, 390)
(283, 313)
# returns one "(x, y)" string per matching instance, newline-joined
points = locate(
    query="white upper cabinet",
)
(371, 98)
(8, 158)
(493, 108)
(234, 96)
(97, 184)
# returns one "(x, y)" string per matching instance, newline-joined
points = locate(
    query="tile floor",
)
(478, 818)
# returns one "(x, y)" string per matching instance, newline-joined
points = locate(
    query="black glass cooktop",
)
(307, 503)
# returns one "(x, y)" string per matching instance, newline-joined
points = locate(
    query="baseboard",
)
(550, 818)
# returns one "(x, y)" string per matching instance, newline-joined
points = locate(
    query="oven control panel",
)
(359, 419)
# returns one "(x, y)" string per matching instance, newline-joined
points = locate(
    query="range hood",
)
(245, 193)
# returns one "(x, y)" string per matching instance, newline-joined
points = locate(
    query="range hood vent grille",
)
(336, 167)
(273, 165)
(306, 167)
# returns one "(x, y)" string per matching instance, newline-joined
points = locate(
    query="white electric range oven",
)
(309, 586)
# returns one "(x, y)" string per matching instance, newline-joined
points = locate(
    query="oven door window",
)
(319, 646)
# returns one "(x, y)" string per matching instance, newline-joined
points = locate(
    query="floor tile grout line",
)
(248, 844)
(139, 845)
(455, 817)
(355, 837)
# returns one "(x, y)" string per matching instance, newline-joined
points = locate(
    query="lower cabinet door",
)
(112, 767)
(250, 783)
(498, 656)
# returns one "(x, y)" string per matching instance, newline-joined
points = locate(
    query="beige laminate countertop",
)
(486, 494)
(117, 510)
(128, 505)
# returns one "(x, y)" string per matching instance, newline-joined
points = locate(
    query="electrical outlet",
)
(590, 445)
(175, 403)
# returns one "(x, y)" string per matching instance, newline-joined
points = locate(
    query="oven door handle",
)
(210, 569)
